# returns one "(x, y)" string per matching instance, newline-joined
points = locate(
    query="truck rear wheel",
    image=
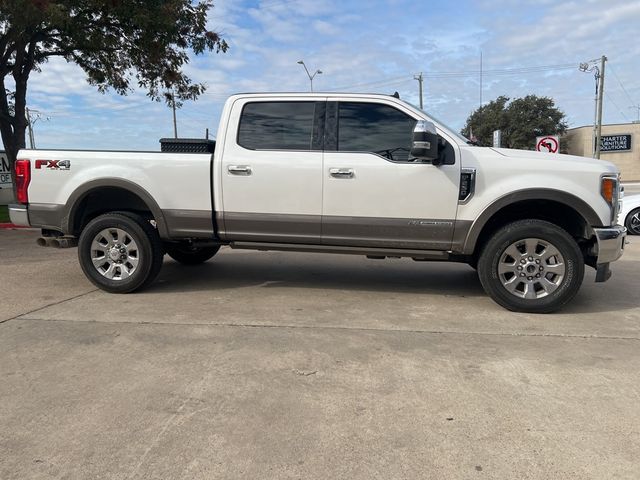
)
(120, 252)
(189, 254)
(531, 266)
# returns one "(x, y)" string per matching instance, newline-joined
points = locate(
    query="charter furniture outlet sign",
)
(615, 143)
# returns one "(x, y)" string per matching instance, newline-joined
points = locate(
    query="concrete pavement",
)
(274, 365)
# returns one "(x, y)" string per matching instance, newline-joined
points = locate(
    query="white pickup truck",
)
(336, 173)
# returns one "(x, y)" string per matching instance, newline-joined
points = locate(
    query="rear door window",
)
(277, 126)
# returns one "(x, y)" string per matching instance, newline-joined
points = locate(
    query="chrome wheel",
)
(531, 268)
(634, 223)
(115, 254)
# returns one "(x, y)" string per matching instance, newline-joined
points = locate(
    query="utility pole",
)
(637, 109)
(420, 80)
(587, 67)
(32, 143)
(173, 107)
(603, 59)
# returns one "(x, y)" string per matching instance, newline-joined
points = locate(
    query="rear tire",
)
(120, 252)
(531, 266)
(190, 255)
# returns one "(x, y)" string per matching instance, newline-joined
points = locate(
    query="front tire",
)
(120, 252)
(531, 266)
(632, 222)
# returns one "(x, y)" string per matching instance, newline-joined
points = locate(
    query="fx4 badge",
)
(53, 164)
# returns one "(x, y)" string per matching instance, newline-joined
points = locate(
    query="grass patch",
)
(4, 214)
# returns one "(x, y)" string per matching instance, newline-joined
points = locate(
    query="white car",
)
(630, 214)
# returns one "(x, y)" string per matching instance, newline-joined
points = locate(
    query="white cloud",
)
(371, 46)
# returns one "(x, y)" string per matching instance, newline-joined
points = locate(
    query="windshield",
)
(449, 130)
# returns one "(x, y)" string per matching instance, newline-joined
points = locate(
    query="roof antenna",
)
(396, 94)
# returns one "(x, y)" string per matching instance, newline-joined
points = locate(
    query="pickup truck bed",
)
(175, 187)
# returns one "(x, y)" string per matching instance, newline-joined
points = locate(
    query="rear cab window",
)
(280, 125)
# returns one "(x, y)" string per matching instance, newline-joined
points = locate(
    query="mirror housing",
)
(425, 142)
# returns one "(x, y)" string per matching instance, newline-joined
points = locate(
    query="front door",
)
(272, 171)
(374, 195)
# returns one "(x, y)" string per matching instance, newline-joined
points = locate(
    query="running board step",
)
(368, 251)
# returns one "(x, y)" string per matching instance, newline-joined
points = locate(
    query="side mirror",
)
(425, 142)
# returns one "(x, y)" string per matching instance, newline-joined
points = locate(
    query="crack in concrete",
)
(53, 304)
(327, 327)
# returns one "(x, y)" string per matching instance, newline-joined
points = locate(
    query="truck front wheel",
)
(120, 252)
(531, 266)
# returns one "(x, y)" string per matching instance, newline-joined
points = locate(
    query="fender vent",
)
(467, 184)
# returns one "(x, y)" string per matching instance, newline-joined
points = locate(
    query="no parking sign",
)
(548, 143)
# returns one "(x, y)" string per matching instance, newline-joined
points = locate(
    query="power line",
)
(606, 94)
(377, 84)
(501, 72)
(633, 102)
(471, 73)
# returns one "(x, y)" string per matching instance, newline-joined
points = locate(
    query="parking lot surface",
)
(291, 365)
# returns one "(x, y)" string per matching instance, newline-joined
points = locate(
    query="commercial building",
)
(620, 145)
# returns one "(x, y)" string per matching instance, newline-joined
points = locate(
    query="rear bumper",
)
(19, 215)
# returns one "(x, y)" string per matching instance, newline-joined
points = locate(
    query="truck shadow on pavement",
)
(335, 272)
(345, 273)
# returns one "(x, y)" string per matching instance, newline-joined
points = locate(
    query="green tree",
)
(521, 121)
(118, 43)
(484, 120)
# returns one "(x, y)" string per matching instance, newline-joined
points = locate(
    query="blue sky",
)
(368, 46)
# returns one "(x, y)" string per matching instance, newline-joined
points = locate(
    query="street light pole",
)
(173, 107)
(420, 80)
(598, 73)
(311, 77)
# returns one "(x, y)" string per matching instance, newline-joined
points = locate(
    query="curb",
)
(10, 226)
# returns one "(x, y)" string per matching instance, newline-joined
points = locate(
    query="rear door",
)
(374, 194)
(272, 171)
